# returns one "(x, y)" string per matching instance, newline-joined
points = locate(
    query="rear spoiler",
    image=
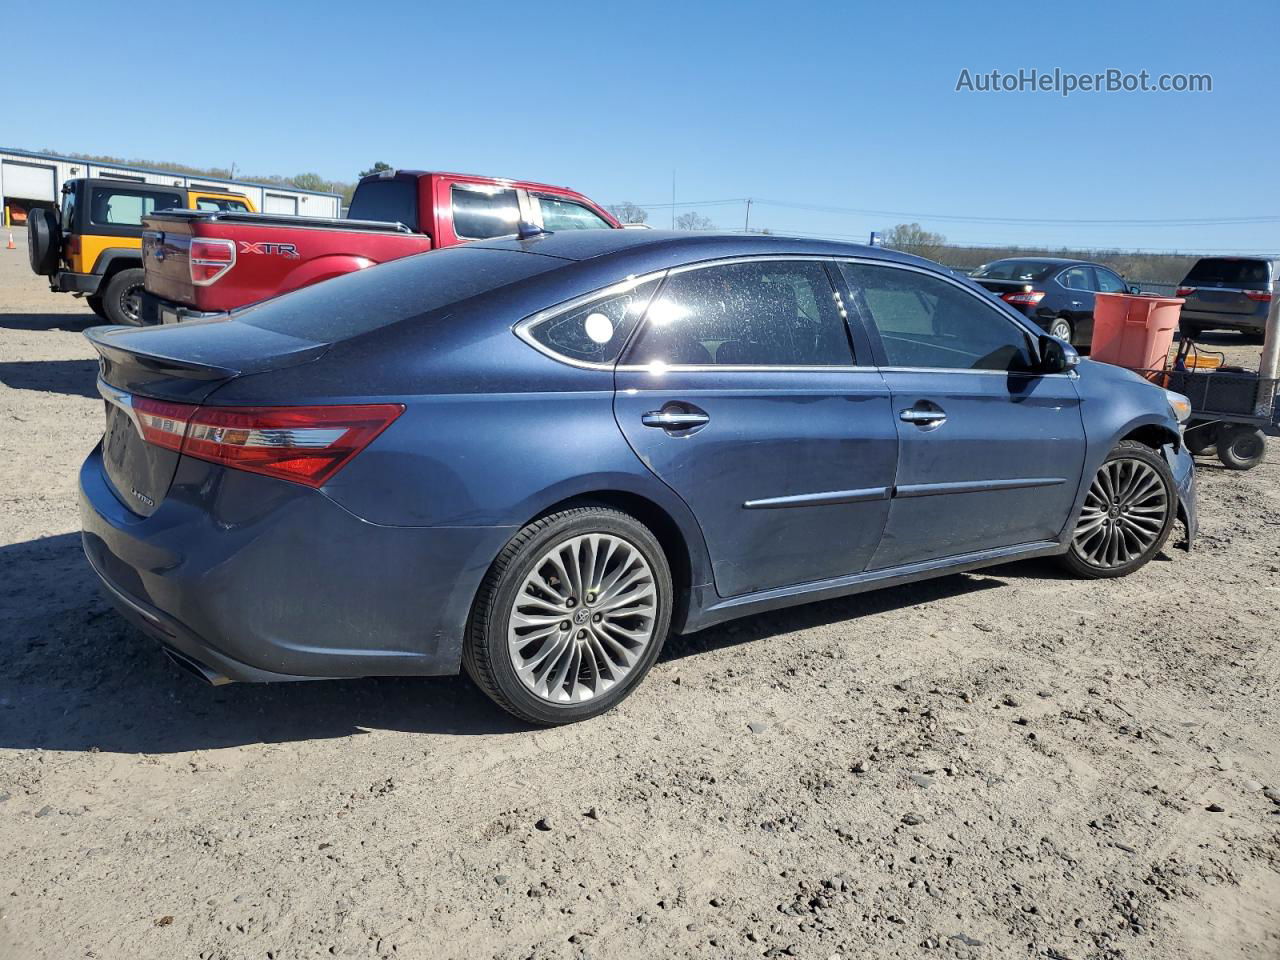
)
(279, 220)
(152, 361)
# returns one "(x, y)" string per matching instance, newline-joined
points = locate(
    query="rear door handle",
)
(674, 419)
(922, 417)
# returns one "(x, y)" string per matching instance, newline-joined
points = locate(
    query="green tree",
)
(311, 181)
(913, 238)
(378, 167)
(628, 212)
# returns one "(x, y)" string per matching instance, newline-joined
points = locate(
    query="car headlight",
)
(1179, 405)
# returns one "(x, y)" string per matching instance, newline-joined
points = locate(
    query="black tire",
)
(1201, 438)
(44, 241)
(1240, 446)
(1060, 324)
(95, 304)
(1190, 331)
(122, 298)
(485, 652)
(1077, 560)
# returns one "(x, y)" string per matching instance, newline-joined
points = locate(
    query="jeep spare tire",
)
(44, 240)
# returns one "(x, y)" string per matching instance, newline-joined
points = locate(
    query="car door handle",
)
(922, 417)
(674, 419)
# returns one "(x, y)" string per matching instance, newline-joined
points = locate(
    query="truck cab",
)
(92, 245)
(205, 263)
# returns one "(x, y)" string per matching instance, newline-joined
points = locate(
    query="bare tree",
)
(912, 238)
(628, 212)
(693, 221)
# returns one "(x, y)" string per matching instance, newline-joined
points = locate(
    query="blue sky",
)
(843, 105)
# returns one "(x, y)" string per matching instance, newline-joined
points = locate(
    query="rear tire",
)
(1201, 440)
(1191, 331)
(1127, 514)
(44, 241)
(1241, 447)
(1061, 328)
(95, 304)
(122, 299)
(570, 617)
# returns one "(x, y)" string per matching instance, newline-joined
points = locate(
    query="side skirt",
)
(707, 608)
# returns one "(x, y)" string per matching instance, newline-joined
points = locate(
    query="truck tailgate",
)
(166, 253)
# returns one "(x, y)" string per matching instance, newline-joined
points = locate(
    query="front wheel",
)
(122, 299)
(570, 617)
(1127, 515)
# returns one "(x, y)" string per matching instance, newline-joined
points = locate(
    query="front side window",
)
(479, 214)
(1076, 278)
(1108, 282)
(756, 313)
(121, 207)
(567, 215)
(596, 331)
(925, 321)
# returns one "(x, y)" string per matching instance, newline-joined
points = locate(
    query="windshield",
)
(365, 300)
(392, 201)
(1014, 270)
(1228, 272)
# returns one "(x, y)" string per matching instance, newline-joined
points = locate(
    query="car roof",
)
(685, 245)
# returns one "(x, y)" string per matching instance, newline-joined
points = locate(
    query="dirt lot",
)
(996, 765)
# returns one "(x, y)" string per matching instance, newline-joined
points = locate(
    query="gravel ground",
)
(1000, 764)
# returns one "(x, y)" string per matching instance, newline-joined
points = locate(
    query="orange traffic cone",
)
(11, 244)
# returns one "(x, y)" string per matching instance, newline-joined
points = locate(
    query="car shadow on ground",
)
(77, 378)
(77, 676)
(50, 321)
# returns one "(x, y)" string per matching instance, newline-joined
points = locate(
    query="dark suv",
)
(1054, 292)
(1228, 293)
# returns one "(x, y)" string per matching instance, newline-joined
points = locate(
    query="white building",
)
(35, 179)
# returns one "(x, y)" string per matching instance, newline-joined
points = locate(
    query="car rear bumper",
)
(64, 281)
(252, 579)
(1184, 475)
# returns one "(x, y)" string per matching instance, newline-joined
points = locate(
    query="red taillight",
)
(1027, 299)
(303, 444)
(210, 259)
(1184, 291)
(162, 423)
(1259, 295)
(73, 245)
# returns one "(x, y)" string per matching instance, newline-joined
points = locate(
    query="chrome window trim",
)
(523, 327)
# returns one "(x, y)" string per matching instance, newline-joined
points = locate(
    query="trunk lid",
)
(1001, 287)
(149, 375)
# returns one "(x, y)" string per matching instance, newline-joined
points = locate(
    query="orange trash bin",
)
(1134, 331)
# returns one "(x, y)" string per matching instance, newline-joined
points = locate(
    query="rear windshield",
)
(1014, 270)
(1228, 272)
(389, 200)
(365, 300)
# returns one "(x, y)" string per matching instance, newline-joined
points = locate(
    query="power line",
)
(955, 218)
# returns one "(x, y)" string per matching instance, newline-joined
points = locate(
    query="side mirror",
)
(1135, 289)
(1057, 356)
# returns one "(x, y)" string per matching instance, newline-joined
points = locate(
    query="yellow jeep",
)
(92, 245)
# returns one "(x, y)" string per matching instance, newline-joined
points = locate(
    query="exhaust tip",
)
(193, 666)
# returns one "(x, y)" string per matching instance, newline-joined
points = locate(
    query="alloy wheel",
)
(1061, 329)
(1124, 514)
(582, 618)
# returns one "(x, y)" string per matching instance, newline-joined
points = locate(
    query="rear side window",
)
(594, 331)
(762, 313)
(1228, 272)
(479, 214)
(1077, 278)
(218, 203)
(1014, 270)
(567, 215)
(928, 322)
(122, 207)
(387, 201)
(365, 300)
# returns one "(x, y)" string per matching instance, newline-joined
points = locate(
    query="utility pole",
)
(746, 227)
(673, 199)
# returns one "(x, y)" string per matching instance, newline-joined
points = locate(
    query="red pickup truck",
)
(204, 263)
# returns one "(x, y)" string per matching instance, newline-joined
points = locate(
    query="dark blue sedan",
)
(1054, 293)
(534, 458)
